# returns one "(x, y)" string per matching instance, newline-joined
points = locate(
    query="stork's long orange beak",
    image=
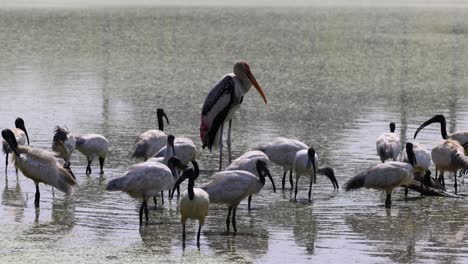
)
(255, 84)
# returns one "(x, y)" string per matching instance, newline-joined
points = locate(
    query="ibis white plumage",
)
(306, 164)
(248, 162)
(64, 144)
(194, 202)
(386, 176)
(449, 156)
(40, 165)
(388, 145)
(21, 136)
(231, 187)
(222, 101)
(148, 143)
(282, 151)
(92, 146)
(145, 180)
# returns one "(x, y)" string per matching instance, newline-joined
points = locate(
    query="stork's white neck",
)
(244, 83)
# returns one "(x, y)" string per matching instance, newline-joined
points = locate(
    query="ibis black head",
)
(262, 170)
(410, 154)
(160, 114)
(392, 127)
(10, 138)
(19, 123)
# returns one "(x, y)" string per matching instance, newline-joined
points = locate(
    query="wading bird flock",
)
(166, 159)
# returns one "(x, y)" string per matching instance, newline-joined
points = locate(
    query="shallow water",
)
(334, 78)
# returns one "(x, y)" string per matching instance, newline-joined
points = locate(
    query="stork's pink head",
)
(241, 69)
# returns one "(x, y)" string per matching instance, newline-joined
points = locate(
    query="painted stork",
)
(231, 187)
(386, 176)
(222, 101)
(193, 203)
(93, 145)
(147, 144)
(282, 151)
(248, 162)
(21, 135)
(461, 136)
(388, 145)
(449, 156)
(40, 165)
(146, 179)
(64, 144)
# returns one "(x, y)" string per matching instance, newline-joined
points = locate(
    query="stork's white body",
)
(388, 146)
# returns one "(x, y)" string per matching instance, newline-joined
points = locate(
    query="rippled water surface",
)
(334, 78)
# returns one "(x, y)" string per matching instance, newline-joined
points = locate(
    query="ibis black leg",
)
(406, 192)
(162, 196)
(198, 235)
(146, 213)
(234, 210)
(38, 196)
(88, 168)
(228, 219)
(388, 201)
(155, 202)
(455, 177)
(6, 163)
(284, 178)
(101, 164)
(141, 213)
(291, 180)
(310, 189)
(250, 200)
(183, 235)
(295, 192)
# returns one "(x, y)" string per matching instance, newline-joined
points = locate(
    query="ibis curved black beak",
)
(267, 172)
(10, 138)
(330, 174)
(19, 123)
(185, 175)
(435, 119)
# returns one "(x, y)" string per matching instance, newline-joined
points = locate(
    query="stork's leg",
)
(101, 164)
(295, 192)
(310, 189)
(229, 141)
(455, 177)
(198, 235)
(250, 200)
(234, 210)
(221, 147)
(388, 201)
(88, 168)
(284, 178)
(291, 179)
(38, 196)
(228, 219)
